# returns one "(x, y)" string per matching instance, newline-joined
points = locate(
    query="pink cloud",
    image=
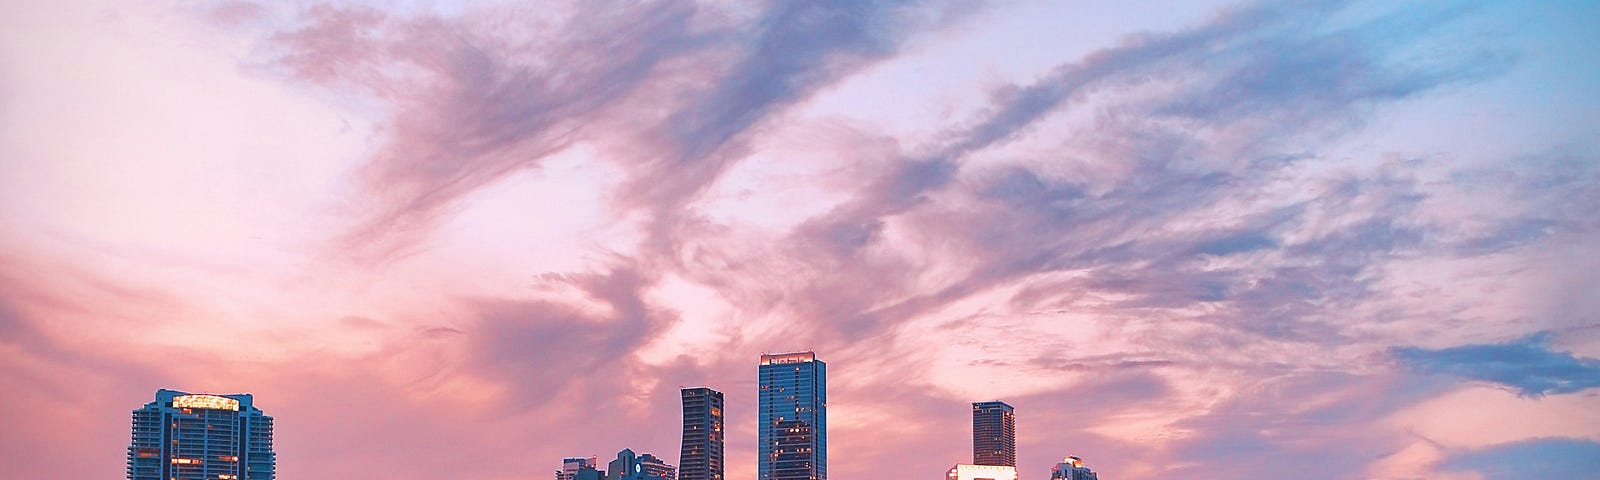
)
(1163, 252)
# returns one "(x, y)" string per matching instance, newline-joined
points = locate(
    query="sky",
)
(1315, 240)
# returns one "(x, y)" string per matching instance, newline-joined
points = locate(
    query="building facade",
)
(571, 466)
(654, 468)
(1071, 468)
(182, 436)
(630, 466)
(981, 472)
(700, 457)
(994, 434)
(791, 450)
(793, 431)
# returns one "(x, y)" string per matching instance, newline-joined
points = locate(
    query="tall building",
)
(994, 434)
(571, 466)
(700, 457)
(1071, 468)
(793, 432)
(182, 436)
(981, 472)
(629, 466)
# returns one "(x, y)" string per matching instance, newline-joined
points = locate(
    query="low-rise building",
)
(1071, 468)
(982, 472)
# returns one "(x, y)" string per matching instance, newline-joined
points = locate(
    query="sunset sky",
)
(1184, 238)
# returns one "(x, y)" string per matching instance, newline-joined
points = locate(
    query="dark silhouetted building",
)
(183, 436)
(994, 434)
(700, 457)
(793, 431)
(629, 466)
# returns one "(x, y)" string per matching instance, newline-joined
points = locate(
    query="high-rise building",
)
(570, 467)
(793, 431)
(1071, 468)
(182, 436)
(994, 434)
(700, 457)
(981, 472)
(629, 466)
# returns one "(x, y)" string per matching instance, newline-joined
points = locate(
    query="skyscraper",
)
(701, 455)
(793, 432)
(994, 434)
(181, 436)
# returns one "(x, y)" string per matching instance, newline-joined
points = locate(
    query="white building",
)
(982, 472)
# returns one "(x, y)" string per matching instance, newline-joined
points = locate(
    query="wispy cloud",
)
(471, 105)
(1188, 251)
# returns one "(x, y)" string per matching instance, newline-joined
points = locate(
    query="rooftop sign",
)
(785, 358)
(207, 402)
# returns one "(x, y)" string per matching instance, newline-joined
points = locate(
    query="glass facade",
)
(201, 437)
(793, 435)
(700, 457)
(994, 434)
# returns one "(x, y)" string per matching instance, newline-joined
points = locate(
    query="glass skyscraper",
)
(794, 417)
(994, 434)
(181, 436)
(700, 457)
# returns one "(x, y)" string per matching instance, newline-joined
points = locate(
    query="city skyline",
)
(442, 239)
(249, 456)
(791, 386)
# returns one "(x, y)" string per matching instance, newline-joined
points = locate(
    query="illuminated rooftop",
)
(783, 358)
(239, 402)
(206, 402)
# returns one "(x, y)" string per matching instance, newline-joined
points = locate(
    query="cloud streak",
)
(1543, 458)
(1526, 365)
(479, 97)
